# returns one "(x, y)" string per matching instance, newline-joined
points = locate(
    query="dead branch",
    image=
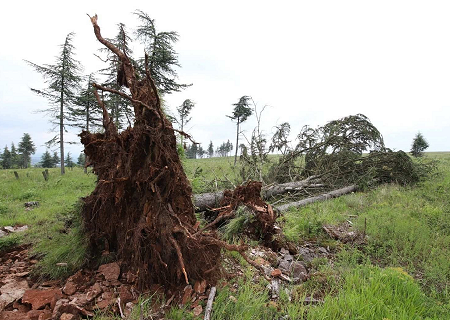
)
(209, 304)
(322, 197)
(184, 134)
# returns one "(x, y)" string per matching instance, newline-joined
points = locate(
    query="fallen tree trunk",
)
(209, 200)
(322, 197)
(277, 189)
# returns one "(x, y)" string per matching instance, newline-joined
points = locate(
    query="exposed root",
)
(141, 206)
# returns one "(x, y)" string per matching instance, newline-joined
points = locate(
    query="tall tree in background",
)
(241, 112)
(419, 145)
(55, 159)
(121, 110)
(85, 113)
(192, 151)
(63, 81)
(26, 149)
(47, 160)
(183, 115)
(81, 160)
(200, 152)
(6, 158)
(210, 149)
(162, 57)
(15, 157)
(224, 149)
(69, 161)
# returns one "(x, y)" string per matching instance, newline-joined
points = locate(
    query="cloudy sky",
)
(309, 62)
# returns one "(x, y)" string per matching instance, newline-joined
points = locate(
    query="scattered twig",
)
(365, 227)
(209, 304)
(275, 288)
(120, 308)
(322, 197)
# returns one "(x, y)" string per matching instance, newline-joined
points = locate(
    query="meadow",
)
(401, 272)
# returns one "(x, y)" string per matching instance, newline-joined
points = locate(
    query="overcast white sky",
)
(309, 61)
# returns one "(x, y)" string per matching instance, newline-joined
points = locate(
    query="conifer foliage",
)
(419, 145)
(242, 110)
(63, 81)
(26, 149)
(162, 57)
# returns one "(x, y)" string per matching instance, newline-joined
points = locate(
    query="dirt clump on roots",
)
(262, 225)
(141, 208)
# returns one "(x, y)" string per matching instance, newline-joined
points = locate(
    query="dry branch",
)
(322, 197)
(209, 304)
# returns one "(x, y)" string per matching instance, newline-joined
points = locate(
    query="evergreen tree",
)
(26, 149)
(200, 152)
(183, 115)
(6, 158)
(85, 113)
(120, 109)
(162, 58)
(210, 149)
(63, 81)
(241, 112)
(224, 149)
(15, 157)
(192, 151)
(69, 162)
(81, 160)
(55, 160)
(47, 160)
(419, 145)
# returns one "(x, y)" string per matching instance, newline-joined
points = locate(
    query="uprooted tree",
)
(141, 207)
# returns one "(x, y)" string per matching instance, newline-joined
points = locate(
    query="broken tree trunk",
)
(141, 208)
(207, 200)
(322, 197)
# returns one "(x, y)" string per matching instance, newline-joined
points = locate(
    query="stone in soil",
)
(298, 271)
(40, 298)
(187, 295)
(110, 271)
(276, 273)
(12, 290)
(200, 286)
(197, 310)
(125, 295)
(94, 292)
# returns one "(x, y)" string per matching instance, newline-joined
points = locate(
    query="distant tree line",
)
(18, 157)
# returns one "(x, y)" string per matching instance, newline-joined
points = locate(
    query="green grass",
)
(55, 196)
(369, 292)
(212, 174)
(403, 272)
(54, 226)
(408, 227)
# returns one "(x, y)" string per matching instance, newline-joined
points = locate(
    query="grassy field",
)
(403, 272)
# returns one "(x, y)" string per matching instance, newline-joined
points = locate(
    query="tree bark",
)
(61, 127)
(212, 200)
(237, 141)
(322, 197)
(207, 200)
